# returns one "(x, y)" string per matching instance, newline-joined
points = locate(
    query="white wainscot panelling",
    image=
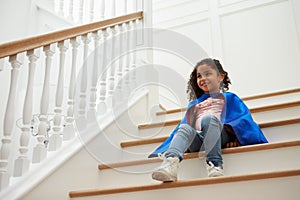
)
(200, 32)
(174, 10)
(228, 2)
(261, 48)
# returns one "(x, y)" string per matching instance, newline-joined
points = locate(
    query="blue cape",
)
(235, 113)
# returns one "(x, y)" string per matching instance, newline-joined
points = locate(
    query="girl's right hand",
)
(233, 144)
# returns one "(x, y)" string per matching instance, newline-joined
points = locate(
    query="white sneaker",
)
(167, 171)
(214, 171)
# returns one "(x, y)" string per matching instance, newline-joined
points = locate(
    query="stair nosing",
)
(262, 125)
(161, 139)
(252, 110)
(187, 183)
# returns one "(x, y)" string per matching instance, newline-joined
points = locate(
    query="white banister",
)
(9, 121)
(81, 11)
(43, 130)
(69, 127)
(22, 163)
(55, 140)
(40, 150)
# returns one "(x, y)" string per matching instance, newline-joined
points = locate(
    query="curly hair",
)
(193, 90)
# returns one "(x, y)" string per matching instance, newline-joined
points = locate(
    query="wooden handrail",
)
(19, 46)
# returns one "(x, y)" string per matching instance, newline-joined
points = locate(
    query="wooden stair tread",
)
(261, 125)
(186, 183)
(175, 122)
(271, 94)
(241, 149)
(252, 110)
(260, 96)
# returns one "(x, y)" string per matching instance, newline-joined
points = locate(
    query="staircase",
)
(59, 84)
(263, 171)
(62, 136)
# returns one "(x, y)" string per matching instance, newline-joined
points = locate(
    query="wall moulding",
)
(183, 21)
(243, 5)
(167, 4)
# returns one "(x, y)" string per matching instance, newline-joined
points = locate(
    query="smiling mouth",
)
(204, 84)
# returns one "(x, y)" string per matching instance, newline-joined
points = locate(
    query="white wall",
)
(257, 41)
(14, 19)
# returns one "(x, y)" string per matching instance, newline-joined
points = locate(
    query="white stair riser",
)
(275, 115)
(282, 133)
(234, 164)
(275, 189)
(266, 116)
(250, 103)
(164, 131)
(273, 134)
(273, 100)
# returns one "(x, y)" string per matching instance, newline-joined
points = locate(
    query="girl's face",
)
(208, 79)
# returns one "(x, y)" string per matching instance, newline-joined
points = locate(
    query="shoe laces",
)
(161, 156)
(166, 162)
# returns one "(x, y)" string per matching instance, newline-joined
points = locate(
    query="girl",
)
(213, 120)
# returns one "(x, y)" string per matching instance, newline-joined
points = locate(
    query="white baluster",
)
(102, 9)
(127, 57)
(124, 59)
(61, 7)
(9, 121)
(125, 7)
(71, 10)
(69, 126)
(102, 107)
(83, 86)
(134, 56)
(91, 13)
(40, 150)
(52, 4)
(116, 55)
(1, 64)
(121, 61)
(93, 90)
(22, 162)
(135, 5)
(113, 8)
(55, 140)
(111, 69)
(81, 9)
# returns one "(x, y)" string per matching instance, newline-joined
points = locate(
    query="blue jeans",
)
(211, 138)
